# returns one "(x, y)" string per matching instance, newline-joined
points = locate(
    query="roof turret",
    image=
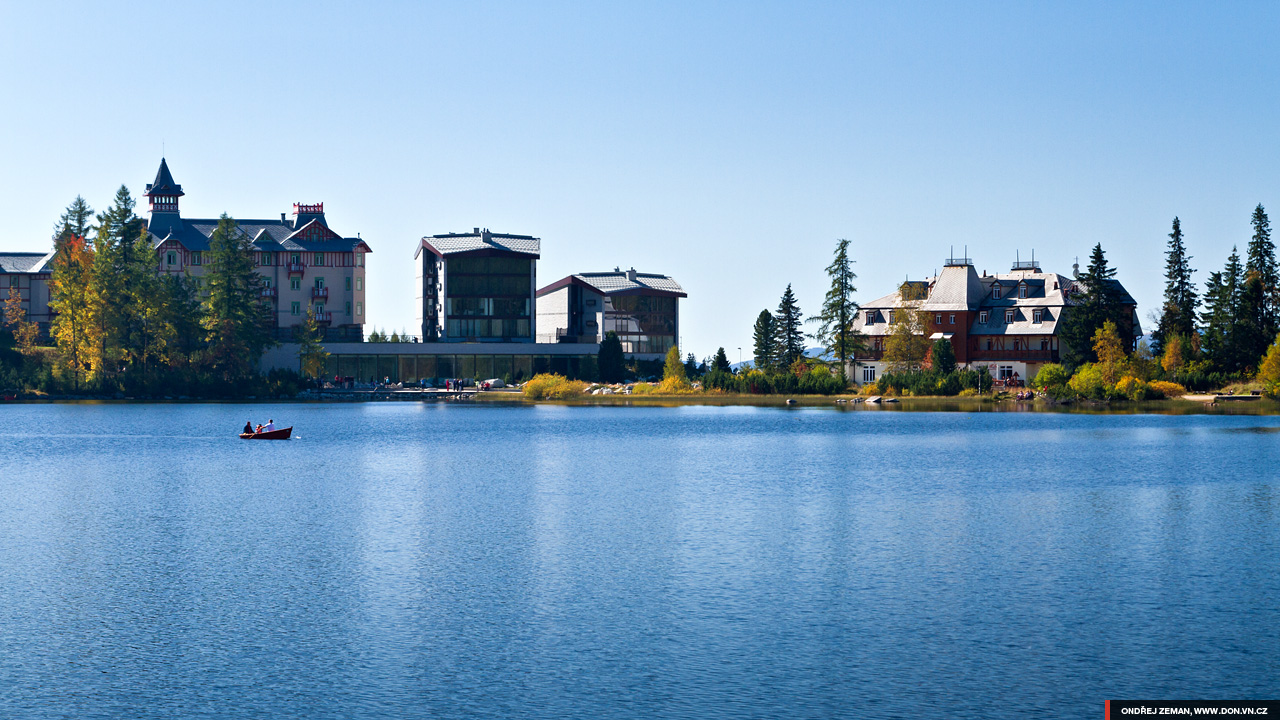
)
(164, 184)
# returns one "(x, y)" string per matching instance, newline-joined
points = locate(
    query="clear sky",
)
(726, 144)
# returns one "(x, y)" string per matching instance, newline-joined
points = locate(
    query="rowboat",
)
(281, 434)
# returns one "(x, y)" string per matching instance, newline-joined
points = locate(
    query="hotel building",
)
(642, 308)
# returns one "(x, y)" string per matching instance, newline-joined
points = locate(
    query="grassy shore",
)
(905, 404)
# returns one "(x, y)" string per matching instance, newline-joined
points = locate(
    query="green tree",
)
(908, 343)
(24, 331)
(118, 278)
(75, 222)
(311, 352)
(70, 300)
(1178, 316)
(674, 368)
(610, 361)
(837, 332)
(1224, 332)
(691, 365)
(1269, 368)
(1260, 265)
(789, 340)
(764, 337)
(1109, 349)
(944, 356)
(1095, 300)
(236, 326)
(721, 361)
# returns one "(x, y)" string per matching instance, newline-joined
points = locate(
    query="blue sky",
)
(727, 144)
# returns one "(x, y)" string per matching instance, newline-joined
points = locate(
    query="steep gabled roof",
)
(956, 288)
(24, 262)
(454, 243)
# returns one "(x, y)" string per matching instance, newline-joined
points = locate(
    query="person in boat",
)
(248, 428)
(271, 426)
(258, 429)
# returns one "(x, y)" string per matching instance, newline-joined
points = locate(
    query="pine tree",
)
(113, 282)
(691, 365)
(311, 353)
(1227, 326)
(75, 222)
(1178, 317)
(1261, 262)
(70, 300)
(788, 339)
(764, 341)
(236, 326)
(1095, 302)
(837, 332)
(610, 361)
(721, 361)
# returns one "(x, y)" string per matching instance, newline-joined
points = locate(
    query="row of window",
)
(295, 308)
(984, 316)
(318, 283)
(484, 306)
(412, 368)
(487, 328)
(266, 258)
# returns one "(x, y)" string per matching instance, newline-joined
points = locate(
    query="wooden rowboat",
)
(281, 434)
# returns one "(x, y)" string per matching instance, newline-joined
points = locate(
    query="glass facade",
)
(414, 369)
(644, 323)
(488, 297)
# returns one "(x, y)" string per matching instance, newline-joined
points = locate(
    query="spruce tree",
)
(721, 361)
(789, 343)
(1095, 301)
(610, 361)
(75, 222)
(1260, 264)
(1178, 316)
(115, 283)
(236, 325)
(837, 332)
(764, 338)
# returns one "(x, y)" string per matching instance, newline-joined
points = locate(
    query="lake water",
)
(414, 561)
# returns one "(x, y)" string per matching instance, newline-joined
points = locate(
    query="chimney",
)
(631, 275)
(475, 231)
(284, 218)
(484, 237)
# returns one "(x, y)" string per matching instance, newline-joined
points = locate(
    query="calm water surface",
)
(402, 560)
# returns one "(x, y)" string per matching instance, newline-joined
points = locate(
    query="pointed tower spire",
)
(162, 197)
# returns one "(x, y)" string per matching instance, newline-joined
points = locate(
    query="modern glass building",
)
(477, 287)
(413, 362)
(642, 308)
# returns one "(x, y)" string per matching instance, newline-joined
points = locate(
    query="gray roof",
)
(24, 262)
(610, 283)
(957, 288)
(453, 243)
(266, 235)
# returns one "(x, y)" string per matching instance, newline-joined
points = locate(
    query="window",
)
(295, 308)
(171, 258)
(359, 259)
(296, 259)
(983, 316)
(359, 309)
(952, 320)
(996, 291)
(1055, 284)
(196, 259)
(348, 307)
(871, 317)
(13, 281)
(266, 282)
(319, 259)
(937, 318)
(1006, 372)
(359, 283)
(318, 307)
(1037, 316)
(1044, 344)
(319, 282)
(1008, 316)
(348, 290)
(295, 283)
(1022, 291)
(266, 259)
(893, 316)
(868, 374)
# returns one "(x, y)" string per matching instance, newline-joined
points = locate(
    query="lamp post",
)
(739, 356)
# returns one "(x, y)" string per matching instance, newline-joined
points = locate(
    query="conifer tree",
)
(75, 222)
(837, 332)
(1261, 262)
(764, 341)
(1224, 329)
(311, 353)
(673, 368)
(788, 339)
(114, 283)
(721, 361)
(1178, 316)
(235, 323)
(1095, 301)
(609, 359)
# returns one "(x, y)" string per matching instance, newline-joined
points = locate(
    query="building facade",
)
(642, 308)
(476, 287)
(1009, 323)
(29, 274)
(304, 264)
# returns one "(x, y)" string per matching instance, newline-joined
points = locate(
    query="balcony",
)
(1019, 355)
(268, 292)
(324, 317)
(297, 268)
(320, 293)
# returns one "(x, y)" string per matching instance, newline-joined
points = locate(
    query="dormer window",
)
(171, 258)
(1037, 316)
(996, 291)
(1008, 316)
(893, 316)
(1022, 291)
(871, 318)
(196, 259)
(983, 317)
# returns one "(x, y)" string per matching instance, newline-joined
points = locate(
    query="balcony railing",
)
(268, 292)
(324, 317)
(319, 292)
(297, 268)
(1037, 355)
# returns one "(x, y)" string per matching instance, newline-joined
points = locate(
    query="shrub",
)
(1088, 382)
(969, 392)
(643, 388)
(1168, 389)
(547, 386)
(1052, 376)
(674, 386)
(1136, 389)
